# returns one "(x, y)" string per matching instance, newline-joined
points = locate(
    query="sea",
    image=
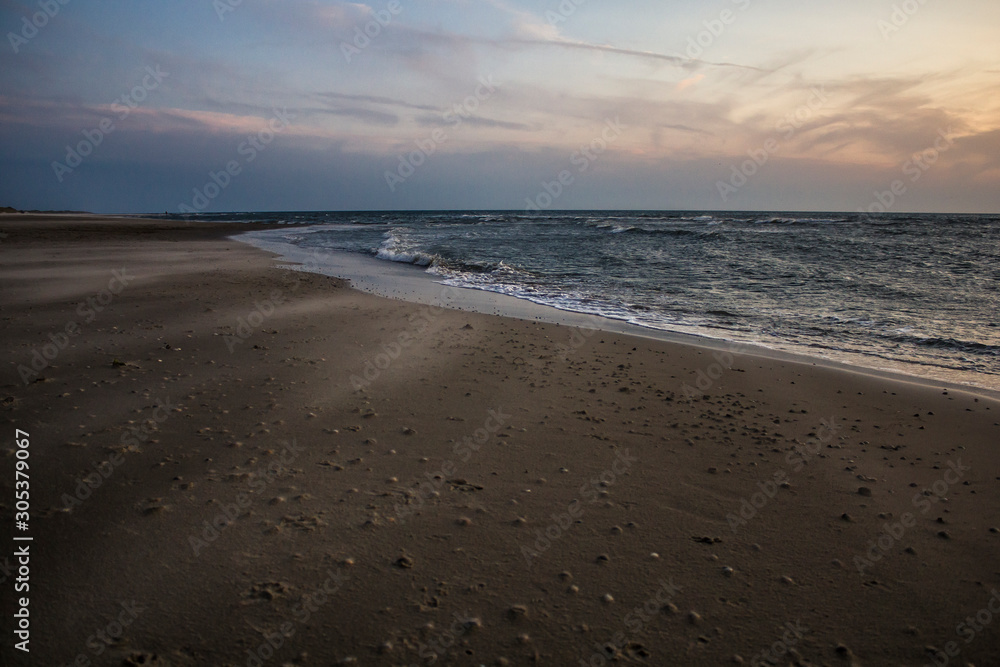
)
(912, 293)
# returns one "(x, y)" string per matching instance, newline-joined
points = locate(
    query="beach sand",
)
(483, 491)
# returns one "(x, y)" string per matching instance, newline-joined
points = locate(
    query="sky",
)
(120, 106)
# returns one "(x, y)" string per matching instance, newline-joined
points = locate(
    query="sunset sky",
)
(455, 104)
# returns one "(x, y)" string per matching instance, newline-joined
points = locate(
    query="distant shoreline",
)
(12, 210)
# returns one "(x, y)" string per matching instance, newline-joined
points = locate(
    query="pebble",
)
(787, 581)
(603, 558)
(694, 617)
(608, 598)
(728, 571)
(864, 491)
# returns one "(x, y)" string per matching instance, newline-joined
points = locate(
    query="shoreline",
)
(411, 283)
(232, 463)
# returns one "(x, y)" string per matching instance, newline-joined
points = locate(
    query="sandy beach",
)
(236, 464)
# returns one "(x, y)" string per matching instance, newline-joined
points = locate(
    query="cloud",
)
(480, 121)
(311, 15)
(368, 116)
(687, 83)
(376, 99)
(673, 59)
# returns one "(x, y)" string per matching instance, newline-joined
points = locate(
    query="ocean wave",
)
(396, 249)
(673, 231)
(614, 227)
(951, 344)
